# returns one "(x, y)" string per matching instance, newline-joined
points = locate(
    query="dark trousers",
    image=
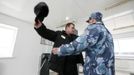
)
(69, 70)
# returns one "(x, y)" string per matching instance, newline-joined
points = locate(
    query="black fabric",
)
(41, 11)
(44, 67)
(64, 65)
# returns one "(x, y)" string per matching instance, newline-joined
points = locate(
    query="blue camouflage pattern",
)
(97, 16)
(97, 42)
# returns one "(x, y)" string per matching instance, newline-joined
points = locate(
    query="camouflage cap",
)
(95, 15)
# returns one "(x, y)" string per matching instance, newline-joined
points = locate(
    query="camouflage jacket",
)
(97, 42)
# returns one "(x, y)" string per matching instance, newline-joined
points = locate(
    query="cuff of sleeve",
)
(59, 52)
(39, 27)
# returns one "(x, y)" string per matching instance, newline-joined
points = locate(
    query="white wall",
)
(27, 49)
(124, 66)
(81, 24)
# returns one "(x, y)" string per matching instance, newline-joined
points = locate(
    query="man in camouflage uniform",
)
(97, 42)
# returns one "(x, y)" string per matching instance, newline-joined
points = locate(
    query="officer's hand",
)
(55, 50)
(37, 24)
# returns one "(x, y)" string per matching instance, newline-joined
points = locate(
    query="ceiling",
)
(59, 9)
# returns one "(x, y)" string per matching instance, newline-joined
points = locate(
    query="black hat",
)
(41, 11)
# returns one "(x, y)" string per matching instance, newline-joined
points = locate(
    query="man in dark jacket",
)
(63, 65)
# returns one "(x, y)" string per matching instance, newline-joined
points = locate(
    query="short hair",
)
(68, 24)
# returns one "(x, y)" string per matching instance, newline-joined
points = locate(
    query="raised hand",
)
(37, 24)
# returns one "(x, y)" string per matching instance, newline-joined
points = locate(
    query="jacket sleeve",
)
(46, 33)
(89, 38)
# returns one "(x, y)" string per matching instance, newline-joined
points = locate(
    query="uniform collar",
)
(64, 32)
(100, 23)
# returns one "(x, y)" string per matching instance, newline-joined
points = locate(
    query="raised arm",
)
(44, 32)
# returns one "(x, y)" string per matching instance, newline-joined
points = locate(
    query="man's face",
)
(70, 29)
(92, 21)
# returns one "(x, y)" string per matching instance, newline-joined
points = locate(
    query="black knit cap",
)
(41, 11)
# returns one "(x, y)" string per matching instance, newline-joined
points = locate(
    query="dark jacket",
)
(64, 65)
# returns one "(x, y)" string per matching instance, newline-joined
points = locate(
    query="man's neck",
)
(67, 33)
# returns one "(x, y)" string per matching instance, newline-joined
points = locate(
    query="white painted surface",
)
(27, 50)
